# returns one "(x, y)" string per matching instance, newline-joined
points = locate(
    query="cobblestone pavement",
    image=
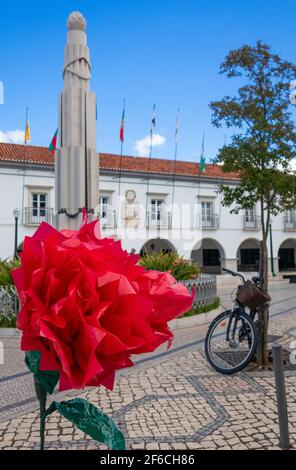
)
(172, 401)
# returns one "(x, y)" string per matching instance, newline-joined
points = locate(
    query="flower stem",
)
(41, 395)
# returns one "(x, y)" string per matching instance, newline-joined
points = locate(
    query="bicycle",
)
(232, 338)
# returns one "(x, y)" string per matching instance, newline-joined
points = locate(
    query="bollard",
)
(277, 353)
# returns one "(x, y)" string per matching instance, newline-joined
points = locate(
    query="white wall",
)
(14, 193)
(186, 233)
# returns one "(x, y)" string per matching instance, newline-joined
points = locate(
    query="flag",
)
(27, 132)
(202, 157)
(177, 127)
(153, 121)
(121, 134)
(53, 144)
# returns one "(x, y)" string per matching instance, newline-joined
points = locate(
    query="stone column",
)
(76, 160)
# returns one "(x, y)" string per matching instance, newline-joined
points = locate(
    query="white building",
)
(162, 205)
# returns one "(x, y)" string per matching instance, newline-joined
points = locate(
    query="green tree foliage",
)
(263, 144)
(6, 266)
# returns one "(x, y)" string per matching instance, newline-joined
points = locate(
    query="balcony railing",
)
(251, 224)
(163, 221)
(107, 218)
(210, 222)
(290, 223)
(33, 216)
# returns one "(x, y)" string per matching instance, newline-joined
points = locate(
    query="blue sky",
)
(166, 52)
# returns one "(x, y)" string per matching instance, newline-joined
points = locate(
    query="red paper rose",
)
(87, 306)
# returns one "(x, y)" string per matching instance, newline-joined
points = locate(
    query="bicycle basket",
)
(251, 296)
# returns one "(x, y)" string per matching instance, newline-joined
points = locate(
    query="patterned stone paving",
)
(179, 403)
(169, 402)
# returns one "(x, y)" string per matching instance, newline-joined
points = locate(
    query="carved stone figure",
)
(77, 61)
(131, 209)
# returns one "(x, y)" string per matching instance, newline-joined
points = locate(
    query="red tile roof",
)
(25, 153)
(39, 155)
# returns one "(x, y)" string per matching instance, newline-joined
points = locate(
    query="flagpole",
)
(153, 123)
(24, 168)
(200, 176)
(202, 165)
(120, 163)
(175, 159)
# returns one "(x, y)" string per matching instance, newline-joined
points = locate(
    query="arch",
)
(157, 245)
(287, 255)
(209, 255)
(248, 255)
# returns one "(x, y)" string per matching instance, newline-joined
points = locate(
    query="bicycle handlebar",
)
(234, 274)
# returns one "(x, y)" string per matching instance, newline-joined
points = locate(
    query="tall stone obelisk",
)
(76, 161)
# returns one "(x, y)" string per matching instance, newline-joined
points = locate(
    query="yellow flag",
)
(27, 133)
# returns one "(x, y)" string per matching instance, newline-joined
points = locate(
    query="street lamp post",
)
(16, 214)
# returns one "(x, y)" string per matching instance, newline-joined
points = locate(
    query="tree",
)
(262, 147)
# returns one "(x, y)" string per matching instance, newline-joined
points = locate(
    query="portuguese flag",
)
(121, 134)
(202, 156)
(53, 144)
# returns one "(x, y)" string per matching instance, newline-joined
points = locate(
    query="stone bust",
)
(131, 209)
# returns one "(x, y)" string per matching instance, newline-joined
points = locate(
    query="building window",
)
(157, 211)
(290, 216)
(207, 214)
(106, 212)
(251, 221)
(290, 219)
(104, 204)
(39, 204)
(38, 209)
(250, 216)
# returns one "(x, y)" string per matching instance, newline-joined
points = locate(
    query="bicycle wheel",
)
(232, 354)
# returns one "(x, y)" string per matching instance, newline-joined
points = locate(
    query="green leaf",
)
(48, 379)
(90, 420)
(181, 269)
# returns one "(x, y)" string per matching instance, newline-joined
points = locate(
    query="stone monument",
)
(76, 160)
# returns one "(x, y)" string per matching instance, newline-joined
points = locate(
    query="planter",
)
(10, 332)
(205, 287)
(195, 320)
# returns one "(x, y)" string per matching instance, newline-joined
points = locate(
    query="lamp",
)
(16, 214)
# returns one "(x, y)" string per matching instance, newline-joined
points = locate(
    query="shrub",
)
(180, 268)
(7, 322)
(5, 269)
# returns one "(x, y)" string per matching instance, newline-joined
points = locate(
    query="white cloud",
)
(143, 146)
(12, 137)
